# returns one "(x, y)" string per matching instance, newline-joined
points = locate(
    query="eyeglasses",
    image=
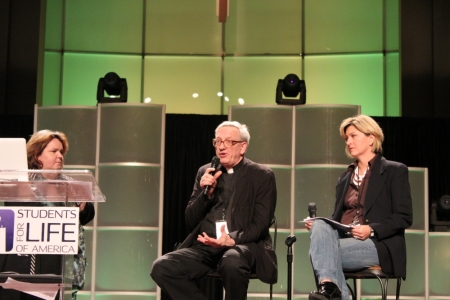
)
(227, 143)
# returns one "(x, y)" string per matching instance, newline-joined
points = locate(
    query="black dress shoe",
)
(327, 291)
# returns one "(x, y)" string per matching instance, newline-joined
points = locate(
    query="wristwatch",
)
(372, 233)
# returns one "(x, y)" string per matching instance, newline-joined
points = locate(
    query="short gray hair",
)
(243, 129)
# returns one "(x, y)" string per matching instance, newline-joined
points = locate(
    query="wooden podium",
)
(29, 227)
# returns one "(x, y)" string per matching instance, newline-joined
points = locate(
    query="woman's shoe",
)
(327, 291)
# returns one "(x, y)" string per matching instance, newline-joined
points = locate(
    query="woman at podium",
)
(45, 151)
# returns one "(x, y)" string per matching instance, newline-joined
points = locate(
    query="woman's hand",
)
(308, 224)
(361, 232)
(82, 205)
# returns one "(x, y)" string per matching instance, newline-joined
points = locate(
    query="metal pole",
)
(289, 242)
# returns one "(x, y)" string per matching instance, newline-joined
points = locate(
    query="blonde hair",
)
(366, 125)
(39, 141)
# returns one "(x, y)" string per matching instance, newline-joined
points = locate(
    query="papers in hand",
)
(333, 223)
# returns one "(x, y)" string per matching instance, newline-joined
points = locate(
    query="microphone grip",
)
(312, 209)
(214, 164)
(206, 189)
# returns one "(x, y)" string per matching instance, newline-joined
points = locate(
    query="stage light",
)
(440, 214)
(290, 87)
(114, 86)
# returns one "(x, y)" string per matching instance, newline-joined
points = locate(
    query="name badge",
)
(218, 226)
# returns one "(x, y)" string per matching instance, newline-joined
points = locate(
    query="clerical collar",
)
(235, 168)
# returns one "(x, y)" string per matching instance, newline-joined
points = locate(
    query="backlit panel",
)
(346, 79)
(347, 26)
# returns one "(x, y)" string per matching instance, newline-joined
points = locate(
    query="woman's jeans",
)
(331, 255)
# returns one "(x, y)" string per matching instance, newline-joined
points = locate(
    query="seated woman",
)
(45, 151)
(373, 195)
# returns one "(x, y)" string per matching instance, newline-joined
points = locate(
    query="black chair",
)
(216, 275)
(374, 272)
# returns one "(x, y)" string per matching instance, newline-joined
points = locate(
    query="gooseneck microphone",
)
(214, 164)
(312, 209)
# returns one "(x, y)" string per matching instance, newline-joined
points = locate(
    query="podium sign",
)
(43, 220)
(39, 230)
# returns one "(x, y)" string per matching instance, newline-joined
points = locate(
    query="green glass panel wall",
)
(317, 133)
(346, 79)
(333, 26)
(439, 257)
(415, 283)
(268, 144)
(82, 72)
(104, 26)
(125, 259)
(303, 274)
(182, 27)
(393, 103)
(418, 181)
(135, 205)
(136, 32)
(131, 133)
(315, 184)
(54, 24)
(392, 25)
(52, 79)
(183, 84)
(80, 126)
(83, 295)
(264, 27)
(283, 177)
(254, 79)
(130, 179)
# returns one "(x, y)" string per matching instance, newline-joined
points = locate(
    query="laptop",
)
(13, 156)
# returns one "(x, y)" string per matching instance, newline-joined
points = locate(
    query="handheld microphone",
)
(214, 163)
(312, 209)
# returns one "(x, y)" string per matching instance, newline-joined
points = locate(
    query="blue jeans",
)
(331, 255)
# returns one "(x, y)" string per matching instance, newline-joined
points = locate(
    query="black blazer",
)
(387, 209)
(253, 209)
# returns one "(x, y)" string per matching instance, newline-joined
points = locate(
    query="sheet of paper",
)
(335, 224)
(46, 291)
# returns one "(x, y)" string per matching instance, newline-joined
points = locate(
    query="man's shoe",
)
(327, 291)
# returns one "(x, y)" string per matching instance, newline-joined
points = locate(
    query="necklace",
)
(357, 179)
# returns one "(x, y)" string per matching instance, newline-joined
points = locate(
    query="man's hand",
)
(209, 180)
(224, 241)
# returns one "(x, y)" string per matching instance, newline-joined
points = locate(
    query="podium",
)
(30, 227)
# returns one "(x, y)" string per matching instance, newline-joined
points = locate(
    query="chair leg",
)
(353, 291)
(384, 287)
(397, 292)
